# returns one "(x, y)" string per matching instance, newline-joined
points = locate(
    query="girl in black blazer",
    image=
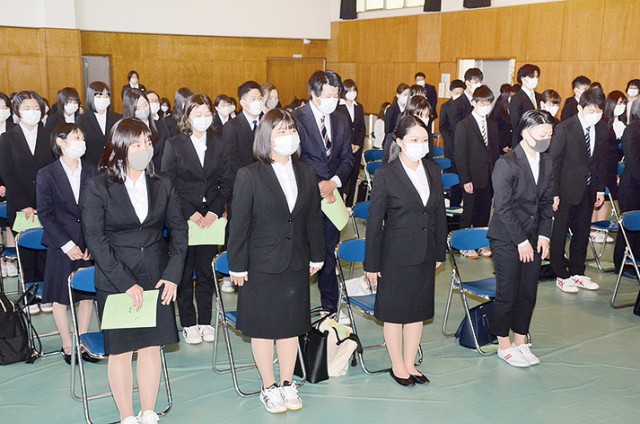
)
(171, 121)
(197, 163)
(223, 111)
(276, 242)
(406, 242)
(124, 210)
(418, 107)
(355, 112)
(134, 83)
(58, 189)
(400, 102)
(68, 105)
(97, 121)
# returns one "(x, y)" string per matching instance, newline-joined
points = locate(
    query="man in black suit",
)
(462, 105)
(447, 116)
(525, 99)
(432, 94)
(580, 84)
(577, 148)
(477, 144)
(325, 142)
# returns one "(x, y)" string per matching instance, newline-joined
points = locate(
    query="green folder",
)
(337, 212)
(119, 311)
(212, 235)
(23, 223)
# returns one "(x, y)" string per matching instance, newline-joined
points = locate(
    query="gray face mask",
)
(539, 146)
(140, 160)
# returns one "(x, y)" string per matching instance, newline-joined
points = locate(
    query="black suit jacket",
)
(8, 126)
(462, 108)
(474, 160)
(522, 209)
(520, 103)
(18, 168)
(569, 109)
(172, 126)
(631, 146)
(54, 120)
(447, 117)
(571, 163)
(127, 86)
(159, 144)
(263, 234)
(238, 140)
(500, 115)
(93, 135)
(194, 182)
(391, 117)
(125, 250)
(217, 124)
(432, 97)
(400, 229)
(358, 127)
(340, 162)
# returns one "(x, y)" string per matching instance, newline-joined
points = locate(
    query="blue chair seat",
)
(94, 343)
(366, 303)
(485, 287)
(605, 226)
(10, 253)
(40, 286)
(232, 317)
(628, 261)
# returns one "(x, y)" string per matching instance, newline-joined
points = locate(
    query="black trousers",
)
(350, 188)
(628, 200)
(577, 218)
(199, 261)
(327, 282)
(477, 207)
(516, 289)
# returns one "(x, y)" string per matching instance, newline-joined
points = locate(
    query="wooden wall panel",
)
(481, 32)
(454, 36)
(615, 75)
(620, 35)
(570, 70)
(511, 38)
(377, 82)
(429, 38)
(550, 77)
(582, 30)
(544, 32)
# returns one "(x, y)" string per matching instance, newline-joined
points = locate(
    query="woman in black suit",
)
(355, 112)
(406, 242)
(58, 188)
(519, 232)
(97, 121)
(223, 111)
(134, 82)
(172, 120)
(198, 166)
(124, 210)
(397, 107)
(68, 104)
(276, 242)
(419, 107)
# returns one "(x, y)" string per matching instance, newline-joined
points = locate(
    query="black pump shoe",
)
(407, 382)
(67, 358)
(420, 379)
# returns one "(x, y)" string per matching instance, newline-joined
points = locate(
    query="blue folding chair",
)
(372, 155)
(227, 319)
(630, 221)
(359, 211)
(443, 163)
(351, 252)
(369, 172)
(450, 180)
(485, 288)
(438, 151)
(6, 253)
(605, 227)
(93, 343)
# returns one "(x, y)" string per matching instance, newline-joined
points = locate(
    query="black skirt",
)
(274, 306)
(57, 269)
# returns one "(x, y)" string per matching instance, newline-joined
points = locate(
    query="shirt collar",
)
(32, 133)
(316, 112)
(250, 119)
(344, 102)
(287, 165)
(478, 117)
(70, 171)
(408, 169)
(140, 184)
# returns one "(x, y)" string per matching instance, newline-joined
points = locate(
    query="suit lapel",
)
(431, 177)
(63, 180)
(192, 154)
(152, 194)
(404, 178)
(523, 161)
(314, 130)
(274, 185)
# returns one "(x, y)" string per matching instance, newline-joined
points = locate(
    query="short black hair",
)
(580, 80)
(21, 97)
(193, 102)
(417, 90)
(533, 118)
(456, 84)
(633, 82)
(402, 87)
(482, 93)
(221, 98)
(528, 70)
(320, 78)
(65, 95)
(262, 142)
(472, 73)
(246, 87)
(62, 131)
(551, 96)
(132, 73)
(420, 74)
(7, 101)
(592, 96)
(95, 88)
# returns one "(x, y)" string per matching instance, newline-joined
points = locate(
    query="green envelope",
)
(23, 223)
(119, 311)
(212, 235)
(337, 212)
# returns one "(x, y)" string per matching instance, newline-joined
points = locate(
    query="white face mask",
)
(286, 145)
(416, 151)
(402, 101)
(223, 111)
(532, 83)
(633, 92)
(133, 82)
(201, 124)
(421, 83)
(75, 149)
(483, 110)
(71, 108)
(30, 117)
(164, 108)
(455, 96)
(272, 103)
(5, 114)
(591, 118)
(142, 114)
(155, 107)
(553, 110)
(327, 106)
(475, 85)
(351, 95)
(255, 107)
(101, 103)
(619, 110)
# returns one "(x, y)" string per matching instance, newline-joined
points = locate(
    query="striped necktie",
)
(255, 126)
(483, 130)
(325, 137)
(587, 142)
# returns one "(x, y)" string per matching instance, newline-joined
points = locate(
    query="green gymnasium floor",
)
(589, 373)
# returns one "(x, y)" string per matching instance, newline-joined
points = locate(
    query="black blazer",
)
(194, 182)
(18, 168)
(93, 135)
(432, 97)
(263, 234)
(447, 117)
(124, 249)
(500, 115)
(462, 108)
(238, 140)
(8, 126)
(159, 144)
(522, 209)
(571, 163)
(391, 117)
(57, 208)
(569, 109)
(631, 146)
(217, 123)
(127, 86)
(340, 162)
(519, 104)
(474, 160)
(358, 127)
(172, 126)
(400, 229)
(54, 120)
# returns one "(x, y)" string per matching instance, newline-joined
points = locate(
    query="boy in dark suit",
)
(570, 108)
(473, 78)
(447, 116)
(432, 94)
(525, 99)
(476, 150)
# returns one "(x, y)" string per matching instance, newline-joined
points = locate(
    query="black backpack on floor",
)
(14, 338)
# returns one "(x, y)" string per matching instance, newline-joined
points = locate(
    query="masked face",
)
(201, 123)
(619, 109)
(542, 140)
(286, 145)
(633, 92)
(590, 115)
(101, 103)
(164, 108)
(351, 95)
(71, 108)
(75, 149)
(155, 107)
(140, 154)
(30, 117)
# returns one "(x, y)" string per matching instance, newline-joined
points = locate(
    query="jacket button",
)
(531, 216)
(77, 220)
(290, 220)
(142, 249)
(140, 228)
(424, 228)
(289, 238)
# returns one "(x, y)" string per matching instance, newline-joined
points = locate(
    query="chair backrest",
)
(631, 220)
(468, 238)
(438, 151)
(3, 210)
(221, 263)
(372, 167)
(449, 180)
(620, 168)
(31, 239)
(361, 210)
(373, 155)
(351, 250)
(84, 279)
(443, 163)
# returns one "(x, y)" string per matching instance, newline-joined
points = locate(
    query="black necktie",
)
(255, 125)
(587, 142)
(325, 137)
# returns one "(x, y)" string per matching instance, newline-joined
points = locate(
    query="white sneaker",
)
(208, 333)
(12, 269)
(290, 395)
(597, 237)
(272, 400)
(471, 254)
(567, 285)
(130, 420)
(485, 252)
(33, 309)
(192, 335)
(227, 286)
(46, 308)
(343, 318)
(513, 357)
(584, 282)
(525, 351)
(610, 239)
(148, 417)
(3, 266)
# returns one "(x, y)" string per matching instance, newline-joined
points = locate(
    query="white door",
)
(96, 68)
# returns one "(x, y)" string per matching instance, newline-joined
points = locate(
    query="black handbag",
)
(314, 352)
(480, 317)
(14, 338)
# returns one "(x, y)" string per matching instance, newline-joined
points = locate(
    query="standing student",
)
(577, 149)
(171, 121)
(9, 268)
(476, 151)
(579, 84)
(136, 105)
(462, 107)
(447, 117)
(430, 91)
(275, 245)
(222, 114)
(519, 234)
(196, 162)
(163, 131)
(355, 112)
(500, 115)
(325, 142)
(133, 82)
(419, 107)
(124, 210)
(97, 121)
(58, 188)
(397, 107)
(525, 99)
(406, 242)
(68, 104)
(550, 102)
(165, 108)
(633, 91)
(270, 97)
(377, 136)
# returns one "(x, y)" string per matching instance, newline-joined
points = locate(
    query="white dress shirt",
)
(74, 180)
(419, 180)
(250, 120)
(532, 96)
(592, 133)
(327, 124)
(200, 144)
(102, 121)
(31, 136)
(138, 195)
(351, 108)
(482, 121)
(70, 119)
(534, 164)
(3, 127)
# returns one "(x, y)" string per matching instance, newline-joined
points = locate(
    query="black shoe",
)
(420, 379)
(88, 358)
(407, 382)
(67, 358)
